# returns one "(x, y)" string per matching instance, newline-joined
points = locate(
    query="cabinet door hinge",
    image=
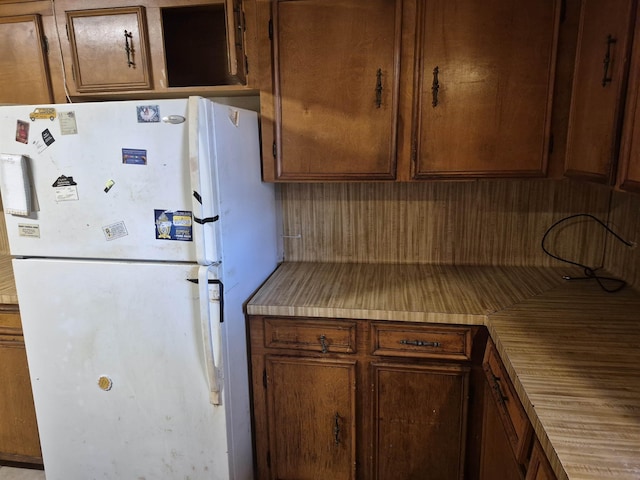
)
(246, 65)
(275, 150)
(264, 378)
(270, 29)
(66, 28)
(551, 139)
(45, 44)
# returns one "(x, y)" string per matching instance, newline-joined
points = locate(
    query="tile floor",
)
(10, 473)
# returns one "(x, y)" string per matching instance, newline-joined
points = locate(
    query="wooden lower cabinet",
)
(311, 417)
(497, 460)
(355, 399)
(539, 468)
(19, 440)
(419, 421)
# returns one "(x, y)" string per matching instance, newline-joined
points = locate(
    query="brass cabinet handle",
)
(435, 87)
(379, 88)
(129, 49)
(607, 61)
(420, 343)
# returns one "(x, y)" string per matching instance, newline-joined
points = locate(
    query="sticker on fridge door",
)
(148, 113)
(29, 230)
(22, 131)
(134, 156)
(47, 139)
(173, 225)
(68, 125)
(115, 230)
(65, 189)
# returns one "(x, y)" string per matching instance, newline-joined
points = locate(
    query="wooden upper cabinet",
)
(24, 68)
(154, 48)
(629, 171)
(110, 49)
(335, 87)
(483, 88)
(600, 80)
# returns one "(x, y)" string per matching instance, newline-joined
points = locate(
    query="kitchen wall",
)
(483, 222)
(621, 260)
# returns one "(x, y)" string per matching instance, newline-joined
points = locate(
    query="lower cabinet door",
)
(311, 406)
(19, 441)
(419, 421)
(497, 460)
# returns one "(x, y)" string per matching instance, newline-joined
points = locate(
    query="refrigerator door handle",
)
(202, 221)
(211, 333)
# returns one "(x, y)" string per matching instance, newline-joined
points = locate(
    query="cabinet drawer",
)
(514, 418)
(324, 336)
(425, 341)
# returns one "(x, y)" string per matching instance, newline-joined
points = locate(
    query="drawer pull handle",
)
(607, 61)
(420, 343)
(336, 429)
(323, 344)
(496, 386)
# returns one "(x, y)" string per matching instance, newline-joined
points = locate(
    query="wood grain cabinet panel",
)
(19, 439)
(24, 66)
(514, 418)
(452, 343)
(419, 421)
(110, 49)
(629, 171)
(484, 87)
(311, 418)
(599, 86)
(407, 90)
(497, 460)
(539, 467)
(345, 413)
(335, 67)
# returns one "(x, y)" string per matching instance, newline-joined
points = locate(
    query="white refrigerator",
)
(138, 230)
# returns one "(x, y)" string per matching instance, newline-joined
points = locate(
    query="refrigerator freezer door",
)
(118, 376)
(111, 180)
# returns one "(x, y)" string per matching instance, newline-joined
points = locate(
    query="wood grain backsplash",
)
(497, 222)
(621, 260)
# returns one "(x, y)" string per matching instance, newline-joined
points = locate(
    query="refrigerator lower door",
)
(116, 360)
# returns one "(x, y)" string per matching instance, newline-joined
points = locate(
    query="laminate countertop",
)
(572, 350)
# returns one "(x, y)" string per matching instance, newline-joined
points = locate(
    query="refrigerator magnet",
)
(173, 225)
(148, 113)
(68, 125)
(134, 156)
(65, 189)
(47, 139)
(115, 230)
(22, 131)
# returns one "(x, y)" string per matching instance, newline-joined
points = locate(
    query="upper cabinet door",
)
(629, 171)
(109, 49)
(483, 89)
(335, 85)
(597, 101)
(24, 70)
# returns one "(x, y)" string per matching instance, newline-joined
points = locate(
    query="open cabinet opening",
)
(195, 42)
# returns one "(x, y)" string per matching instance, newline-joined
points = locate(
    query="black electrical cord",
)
(589, 273)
